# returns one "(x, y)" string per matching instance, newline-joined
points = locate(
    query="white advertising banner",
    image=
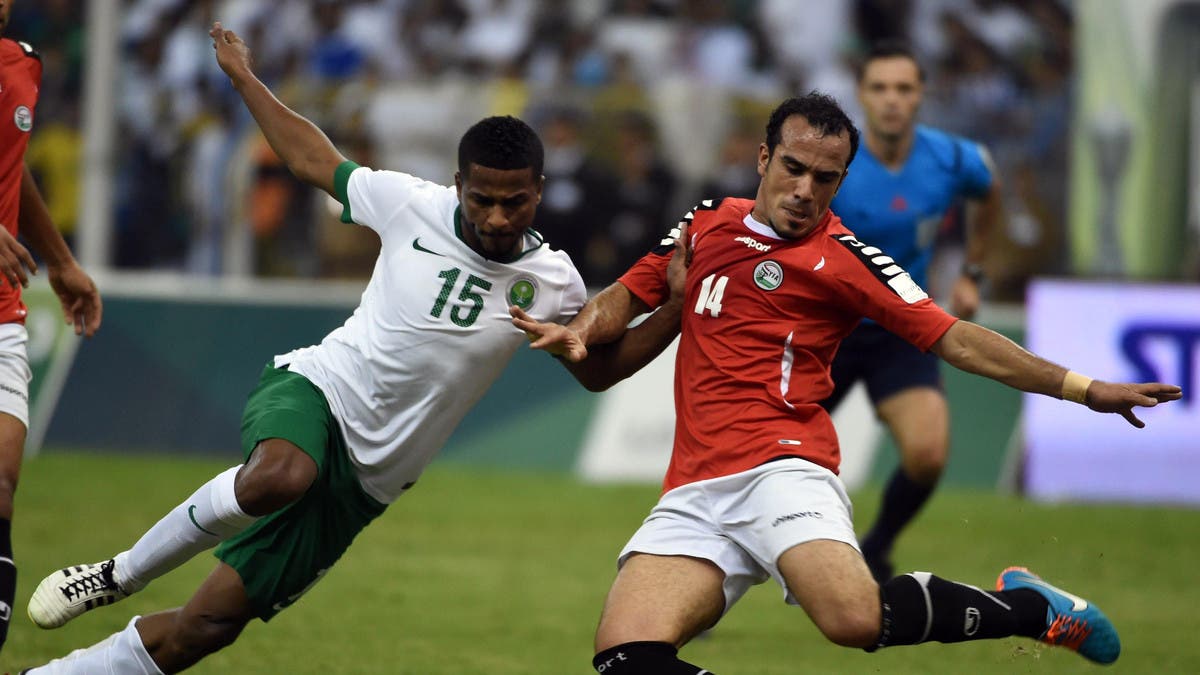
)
(1124, 333)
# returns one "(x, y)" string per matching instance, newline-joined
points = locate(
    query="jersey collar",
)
(764, 230)
(761, 229)
(532, 239)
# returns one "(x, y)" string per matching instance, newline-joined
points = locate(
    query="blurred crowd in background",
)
(645, 107)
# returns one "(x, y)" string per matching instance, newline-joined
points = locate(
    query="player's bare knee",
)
(851, 623)
(273, 479)
(645, 628)
(852, 628)
(8, 488)
(606, 638)
(925, 462)
(610, 634)
(196, 636)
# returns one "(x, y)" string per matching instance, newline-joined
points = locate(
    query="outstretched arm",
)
(596, 346)
(977, 350)
(76, 291)
(604, 319)
(304, 148)
(608, 364)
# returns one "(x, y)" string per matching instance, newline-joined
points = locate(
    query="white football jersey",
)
(432, 331)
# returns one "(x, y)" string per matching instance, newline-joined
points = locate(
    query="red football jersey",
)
(20, 74)
(762, 319)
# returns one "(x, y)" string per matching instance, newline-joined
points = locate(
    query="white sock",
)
(121, 653)
(207, 518)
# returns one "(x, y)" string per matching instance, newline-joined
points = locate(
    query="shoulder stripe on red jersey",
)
(29, 50)
(667, 245)
(883, 268)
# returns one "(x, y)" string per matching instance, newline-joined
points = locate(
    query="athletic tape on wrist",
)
(1075, 386)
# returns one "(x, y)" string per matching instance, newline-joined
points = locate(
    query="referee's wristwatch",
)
(973, 271)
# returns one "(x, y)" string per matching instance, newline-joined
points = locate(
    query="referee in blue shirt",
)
(901, 183)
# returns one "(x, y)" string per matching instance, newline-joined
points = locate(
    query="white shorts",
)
(14, 372)
(742, 523)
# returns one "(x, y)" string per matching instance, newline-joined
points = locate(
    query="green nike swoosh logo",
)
(192, 516)
(417, 245)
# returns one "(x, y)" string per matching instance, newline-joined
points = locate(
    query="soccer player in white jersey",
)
(335, 432)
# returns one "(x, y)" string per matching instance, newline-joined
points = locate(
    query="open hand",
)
(554, 338)
(1122, 398)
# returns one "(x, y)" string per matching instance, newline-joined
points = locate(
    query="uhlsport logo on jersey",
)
(521, 292)
(753, 243)
(23, 118)
(768, 275)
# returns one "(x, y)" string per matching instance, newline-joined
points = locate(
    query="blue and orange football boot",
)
(1071, 621)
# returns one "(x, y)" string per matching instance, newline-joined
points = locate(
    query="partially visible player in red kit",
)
(751, 493)
(23, 211)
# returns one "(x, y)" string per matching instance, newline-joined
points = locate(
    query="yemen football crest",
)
(23, 118)
(522, 291)
(768, 275)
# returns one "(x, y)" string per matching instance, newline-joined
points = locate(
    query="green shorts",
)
(284, 554)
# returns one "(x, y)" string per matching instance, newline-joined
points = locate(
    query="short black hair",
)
(821, 111)
(501, 143)
(889, 49)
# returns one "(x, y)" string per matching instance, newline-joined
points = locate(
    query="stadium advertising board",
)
(1115, 332)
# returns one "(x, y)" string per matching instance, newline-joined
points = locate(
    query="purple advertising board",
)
(1120, 332)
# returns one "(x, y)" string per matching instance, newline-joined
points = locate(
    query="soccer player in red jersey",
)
(752, 492)
(22, 210)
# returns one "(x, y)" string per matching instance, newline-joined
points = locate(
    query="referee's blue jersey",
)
(900, 211)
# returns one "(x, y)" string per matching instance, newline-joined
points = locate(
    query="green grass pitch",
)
(480, 572)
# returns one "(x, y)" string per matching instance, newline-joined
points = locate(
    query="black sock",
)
(643, 658)
(902, 499)
(8, 578)
(959, 612)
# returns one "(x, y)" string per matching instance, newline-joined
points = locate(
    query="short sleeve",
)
(873, 285)
(647, 279)
(374, 198)
(975, 170)
(32, 61)
(573, 298)
(341, 185)
(35, 71)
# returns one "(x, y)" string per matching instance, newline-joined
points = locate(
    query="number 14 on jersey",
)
(711, 294)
